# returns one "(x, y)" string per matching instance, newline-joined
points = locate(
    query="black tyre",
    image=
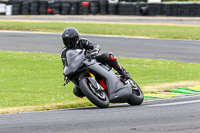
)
(112, 8)
(99, 98)
(144, 10)
(94, 10)
(74, 8)
(103, 7)
(137, 95)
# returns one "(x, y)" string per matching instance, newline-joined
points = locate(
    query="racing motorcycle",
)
(99, 83)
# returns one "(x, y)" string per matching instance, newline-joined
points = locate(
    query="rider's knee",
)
(106, 57)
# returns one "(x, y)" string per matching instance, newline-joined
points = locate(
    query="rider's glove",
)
(66, 79)
(94, 51)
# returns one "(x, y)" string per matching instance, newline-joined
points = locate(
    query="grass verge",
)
(33, 81)
(142, 30)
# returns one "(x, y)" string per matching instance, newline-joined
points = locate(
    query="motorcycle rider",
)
(72, 40)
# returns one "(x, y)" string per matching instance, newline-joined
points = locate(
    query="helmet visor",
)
(69, 42)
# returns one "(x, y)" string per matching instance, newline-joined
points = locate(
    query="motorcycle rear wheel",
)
(100, 100)
(137, 96)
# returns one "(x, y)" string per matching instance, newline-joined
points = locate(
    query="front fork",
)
(94, 82)
(91, 74)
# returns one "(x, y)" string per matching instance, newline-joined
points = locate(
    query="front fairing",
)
(117, 91)
(75, 60)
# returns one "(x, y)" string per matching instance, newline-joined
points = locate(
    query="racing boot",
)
(114, 63)
(122, 72)
(125, 75)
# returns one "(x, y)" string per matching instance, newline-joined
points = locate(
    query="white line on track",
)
(175, 103)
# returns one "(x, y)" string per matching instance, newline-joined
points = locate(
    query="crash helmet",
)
(70, 36)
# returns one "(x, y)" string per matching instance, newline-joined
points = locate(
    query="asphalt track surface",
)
(176, 115)
(161, 116)
(179, 50)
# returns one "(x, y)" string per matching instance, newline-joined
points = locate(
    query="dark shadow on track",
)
(110, 107)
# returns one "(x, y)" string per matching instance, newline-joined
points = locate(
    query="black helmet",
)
(70, 36)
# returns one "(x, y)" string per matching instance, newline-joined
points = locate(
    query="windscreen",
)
(72, 55)
(74, 61)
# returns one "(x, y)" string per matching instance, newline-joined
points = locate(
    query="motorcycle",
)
(98, 82)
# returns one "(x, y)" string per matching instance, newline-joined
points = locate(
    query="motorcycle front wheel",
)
(97, 97)
(137, 96)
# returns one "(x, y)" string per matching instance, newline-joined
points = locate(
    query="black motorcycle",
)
(99, 83)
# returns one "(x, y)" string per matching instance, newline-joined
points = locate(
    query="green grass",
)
(149, 30)
(37, 78)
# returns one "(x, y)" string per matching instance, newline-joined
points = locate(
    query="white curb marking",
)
(175, 103)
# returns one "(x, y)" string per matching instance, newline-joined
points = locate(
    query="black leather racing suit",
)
(107, 58)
